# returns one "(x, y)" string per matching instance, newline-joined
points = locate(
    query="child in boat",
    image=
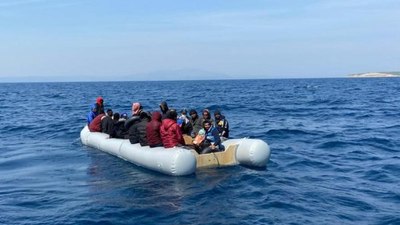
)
(184, 123)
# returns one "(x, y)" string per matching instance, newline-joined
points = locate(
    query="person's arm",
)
(217, 139)
(178, 134)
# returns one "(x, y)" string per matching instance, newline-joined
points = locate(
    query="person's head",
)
(171, 114)
(145, 116)
(116, 116)
(124, 116)
(206, 114)
(164, 107)
(207, 124)
(99, 100)
(136, 109)
(217, 114)
(193, 113)
(184, 112)
(109, 112)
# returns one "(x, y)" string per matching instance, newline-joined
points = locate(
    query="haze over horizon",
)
(74, 40)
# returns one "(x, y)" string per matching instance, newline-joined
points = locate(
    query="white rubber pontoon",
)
(180, 161)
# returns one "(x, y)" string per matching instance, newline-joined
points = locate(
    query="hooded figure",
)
(92, 114)
(164, 109)
(153, 130)
(171, 134)
(100, 105)
(221, 124)
(206, 116)
(195, 122)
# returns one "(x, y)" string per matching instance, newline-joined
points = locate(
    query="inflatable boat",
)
(180, 161)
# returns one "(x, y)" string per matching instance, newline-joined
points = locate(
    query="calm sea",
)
(335, 155)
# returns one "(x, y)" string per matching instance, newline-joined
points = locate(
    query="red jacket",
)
(171, 133)
(153, 130)
(95, 125)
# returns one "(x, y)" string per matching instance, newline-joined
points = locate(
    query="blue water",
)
(335, 155)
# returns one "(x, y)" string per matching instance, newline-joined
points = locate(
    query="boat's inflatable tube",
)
(180, 161)
(173, 161)
(250, 152)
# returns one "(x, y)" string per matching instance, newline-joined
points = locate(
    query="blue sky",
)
(159, 39)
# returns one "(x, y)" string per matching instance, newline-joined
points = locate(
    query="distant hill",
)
(376, 74)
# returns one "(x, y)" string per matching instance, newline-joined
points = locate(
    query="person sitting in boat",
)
(100, 105)
(119, 126)
(171, 134)
(107, 123)
(184, 123)
(137, 132)
(115, 119)
(92, 114)
(198, 140)
(95, 125)
(136, 109)
(164, 109)
(153, 130)
(206, 116)
(195, 122)
(212, 141)
(221, 123)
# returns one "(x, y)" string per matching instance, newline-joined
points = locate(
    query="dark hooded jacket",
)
(208, 117)
(107, 125)
(137, 132)
(153, 130)
(196, 124)
(164, 109)
(119, 130)
(171, 133)
(222, 125)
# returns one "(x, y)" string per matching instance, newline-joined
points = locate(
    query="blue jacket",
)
(91, 115)
(212, 135)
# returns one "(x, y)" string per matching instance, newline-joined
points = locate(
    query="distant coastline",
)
(375, 74)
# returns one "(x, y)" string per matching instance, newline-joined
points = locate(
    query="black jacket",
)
(119, 130)
(107, 125)
(137, 132)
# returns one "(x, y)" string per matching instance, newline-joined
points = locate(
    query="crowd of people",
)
(161, 128)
